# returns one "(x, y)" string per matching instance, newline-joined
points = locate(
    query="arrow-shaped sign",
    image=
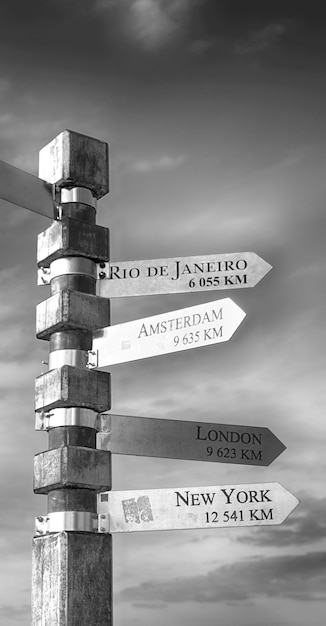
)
(192, 327)
(25, 190)
(194, 441)
(177, 275)
(261, 504)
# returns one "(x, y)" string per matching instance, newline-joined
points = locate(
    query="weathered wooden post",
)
(72, 556)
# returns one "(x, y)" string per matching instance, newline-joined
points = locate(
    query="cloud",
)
(201, 46)
(5, 117)
(154, 23)
(307, 526)
(16, 325)
(165, 162)
(261, 40)
(299, 577)
(152, 26)
(4, 86)
(158, 605)
(15, 613)
(104, 5)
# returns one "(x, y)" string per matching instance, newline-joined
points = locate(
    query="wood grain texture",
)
(72, 580)
(67, 310)
(75, 160)
(71, 237)
(72, 386)
(72, 436)
(74, 339)
(73, 282)
(72, 466)
(72, 500)
(72, 571)
(79, 211)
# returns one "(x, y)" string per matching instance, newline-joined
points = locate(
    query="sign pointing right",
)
(190, 440)
(176, 508)
(208, 272)
(184, 329)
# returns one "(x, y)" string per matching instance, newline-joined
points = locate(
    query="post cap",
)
(75, 160)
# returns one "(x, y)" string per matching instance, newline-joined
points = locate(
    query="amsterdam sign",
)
(194, 441)
(178, 275)
(224, 506)
(184, 329)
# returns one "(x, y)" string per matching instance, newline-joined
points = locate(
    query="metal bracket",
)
(78, 521)
(103, 270)
(103, 523)
(104, 421)
(66, 265)
(43, 275)
(92, 361)
(78, 194)
(77, 358)
(103, 437)
(103, 441)
(56, 202)
(71, 416)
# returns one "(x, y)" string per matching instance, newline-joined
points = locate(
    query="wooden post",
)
(72, 556)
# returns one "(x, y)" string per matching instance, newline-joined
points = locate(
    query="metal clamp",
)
(71, 416)
(104, 422)
(78, 521)
(77, 358)
(103, 436)
(103, 441)
(92, 361)
(43, 275)
(103, 270)
(66, 265)
(56, 202)
(78, 194)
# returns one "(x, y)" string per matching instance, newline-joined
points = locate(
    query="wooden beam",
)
(72, 562)
(72, 580)
(68, 310)
(72, 386)
(72, 237)
(72, 466)
(72, 159)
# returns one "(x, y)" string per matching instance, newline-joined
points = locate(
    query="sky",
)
(215, 117)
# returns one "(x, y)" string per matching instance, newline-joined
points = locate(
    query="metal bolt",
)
(102, 275)
(102, 265)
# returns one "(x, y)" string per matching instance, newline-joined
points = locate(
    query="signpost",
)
(25, 190)
(193, 327)
(191, 440)
(72, 559)
(224, 506)
(178, 275)
(74, 535)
